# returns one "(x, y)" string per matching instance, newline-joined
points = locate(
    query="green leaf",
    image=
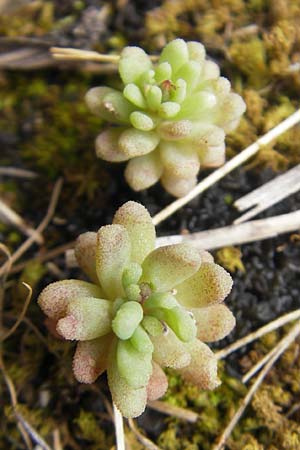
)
(143, 171)
(90, 359)
(196, 51)
(128, 317)
(154, 96)
(107, 145)
(175, 53)
(160, 300)
(167, 110)
(190, 73)
(131, 402)
(163, 72)
(85, 253)
(134, 142)
(169, 351)
(133, 271)
(153, 326)
(135, 367)
(141, 121)
(133, 63)
(180, 321)
(138, 223)
(209, 285)
(87, 318)
(202, 370)
(55, 298)
(117, 106)
(112, 257)
(168, 266)
(177, 186)
(174, 130)
(179, 160)
(141, 341)
(213, 323)
(178, 94)
(134, 95)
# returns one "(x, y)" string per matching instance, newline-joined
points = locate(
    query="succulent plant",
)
(143, 310)
(170, 118)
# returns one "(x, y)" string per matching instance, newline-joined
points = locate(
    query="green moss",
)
(230, 258)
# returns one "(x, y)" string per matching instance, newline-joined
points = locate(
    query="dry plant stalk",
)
(141, 438)
(268, 194)
(238, 234)
(235, 162)
(280, 349)
(44, 223)
(271, 326)
(175, 411)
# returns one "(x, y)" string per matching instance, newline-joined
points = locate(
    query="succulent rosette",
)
(144, 309)
(169, 120)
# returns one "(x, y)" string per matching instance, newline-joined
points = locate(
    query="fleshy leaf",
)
(178, 160)
(195, 107)
(131, 402)
(190, 73)
(85, 253)
(210, 71)
(90, 359)
(169, 351)
(141, 121)
(211, 284)
(87, 318)
(213, 323)
(160, 300)
(163, 72)
(180, 321)
(196, 51)
(133, 271)
(112, 256)
(175, 53)
(55, 298)
(168, 266)
(94, 100)
(135, 367)
(141, 340)
(116, 105)
(138, 223)
(177, 186)
(134, 142)
(212, 157)
(174, 130)
(167, 110)
(202, 370)
(153, 326)
(107, 145)
(133, 63)
(143, 171)
(134, 95)
(154, 97)
(158, 383)
(128, 317)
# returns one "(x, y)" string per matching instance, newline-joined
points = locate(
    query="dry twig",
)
(235, 162)
(21, 316)
(175, 411)
(255, 230)
(271, 326)
(280, 348)
(141, 438)
(27, 244)
(17, 173)
(119, 428)
(268, 194)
